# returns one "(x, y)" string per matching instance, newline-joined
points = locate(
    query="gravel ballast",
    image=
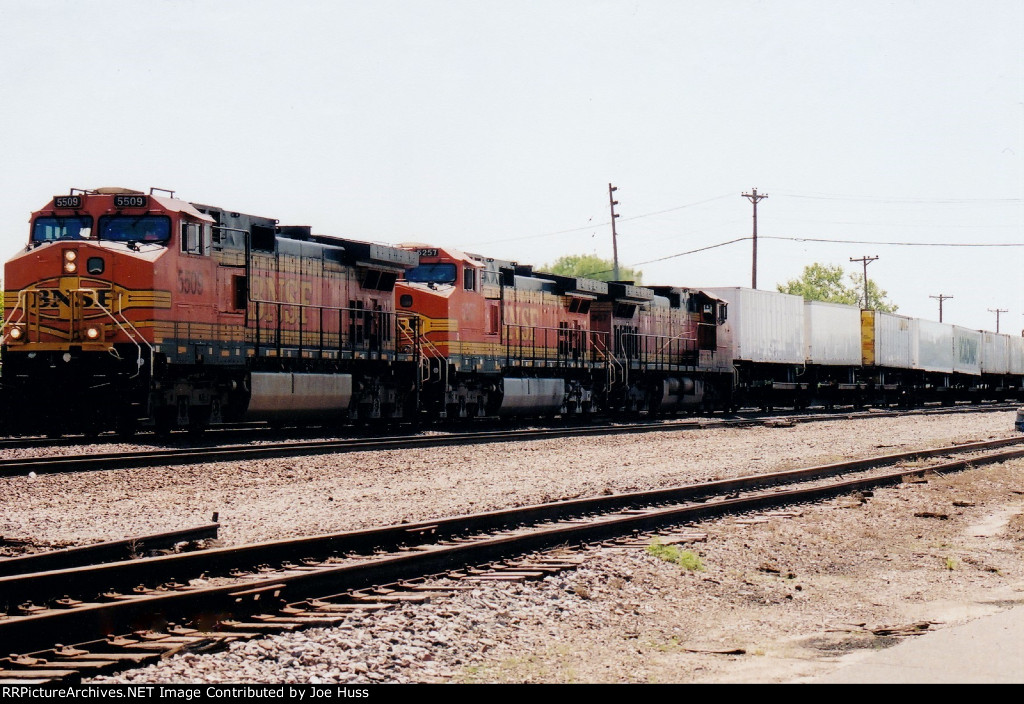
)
(777, 600)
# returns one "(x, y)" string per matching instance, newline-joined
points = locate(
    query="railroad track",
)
(240, 452)
(218, 435)
(109, 551)
(122, 614)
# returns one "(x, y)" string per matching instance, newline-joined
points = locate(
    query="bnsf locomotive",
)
(129, 308)
(497, 338)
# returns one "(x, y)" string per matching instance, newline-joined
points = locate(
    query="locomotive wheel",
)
(126, 427)
(199, 417)
(164, 422)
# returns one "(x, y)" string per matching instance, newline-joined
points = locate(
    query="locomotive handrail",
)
(421, 342)
(366, 314)
(586, 345)
(130, 334)
(660, 355)
(610, 360)
(9, 320)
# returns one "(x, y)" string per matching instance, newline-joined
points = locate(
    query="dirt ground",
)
(791, 597)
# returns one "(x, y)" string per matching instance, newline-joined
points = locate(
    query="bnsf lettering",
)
(190, 282)
(53, 299)
(102, 297)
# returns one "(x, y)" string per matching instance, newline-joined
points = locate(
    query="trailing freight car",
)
(791, 352)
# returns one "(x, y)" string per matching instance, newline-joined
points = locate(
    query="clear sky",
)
(496, 127)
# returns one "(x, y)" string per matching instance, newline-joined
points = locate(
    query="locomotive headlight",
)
(70, 261)
(16, 333)
(92, 333)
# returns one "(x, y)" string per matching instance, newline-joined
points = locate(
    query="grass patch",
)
(951, 564)
(686, 559)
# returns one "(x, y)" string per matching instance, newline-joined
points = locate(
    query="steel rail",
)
(217, 433)
(87, 582)
(202, 454)
(144, 610)
(107, 551)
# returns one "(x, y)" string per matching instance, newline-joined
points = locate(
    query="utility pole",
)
(615, 241)
(941, 298)
(866, 261)
(754, 197)
(997, 311)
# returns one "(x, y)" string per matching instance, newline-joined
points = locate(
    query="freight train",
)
(130, 309)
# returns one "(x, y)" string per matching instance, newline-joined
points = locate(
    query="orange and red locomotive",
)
(128, 307)
(498, 338)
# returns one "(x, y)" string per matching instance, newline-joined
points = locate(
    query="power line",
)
(883, 199)
(896, 244)
(603, 224)
(896, 223)
(678, 207)
(842, 242)
(672, 256)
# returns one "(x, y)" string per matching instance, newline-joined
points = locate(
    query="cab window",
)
(195, 238)
(432, 274)
(135, 228)
(52, 229)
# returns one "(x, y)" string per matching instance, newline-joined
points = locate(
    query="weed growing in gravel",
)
(951, 564)
(686, 559)
(673, 644)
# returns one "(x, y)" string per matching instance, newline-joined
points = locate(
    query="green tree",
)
(590, 266)
(824, 282)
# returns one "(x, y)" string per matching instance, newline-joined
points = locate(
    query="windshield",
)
(135, 228)
(432, 273)
(51, 229)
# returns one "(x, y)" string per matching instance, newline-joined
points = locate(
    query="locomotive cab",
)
(82, 301)
(497, 338)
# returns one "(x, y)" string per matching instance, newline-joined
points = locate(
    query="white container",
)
(966, 350)
(766, 326)
(1016, 354)
(894, 340)
(832, 333)
(995, 353)
(934, 346)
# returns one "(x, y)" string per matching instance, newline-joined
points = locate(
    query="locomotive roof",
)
(455, 254)
(173, 205)
(180, 206)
